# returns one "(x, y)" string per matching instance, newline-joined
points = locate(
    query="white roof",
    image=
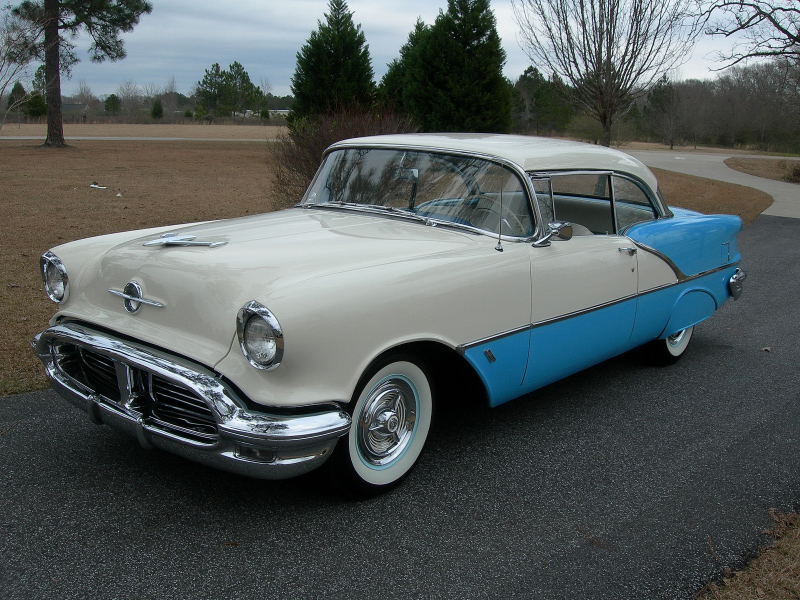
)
(533, 154)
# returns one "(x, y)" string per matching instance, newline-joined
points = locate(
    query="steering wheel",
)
(477, 209)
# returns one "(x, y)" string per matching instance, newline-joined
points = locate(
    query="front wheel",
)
(391, 410)
(670, 349)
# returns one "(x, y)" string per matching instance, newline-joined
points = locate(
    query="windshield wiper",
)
(375, 209)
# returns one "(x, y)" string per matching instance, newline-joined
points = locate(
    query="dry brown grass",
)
(773, 574)
(45, 200)
(711, 197)
(777, 169)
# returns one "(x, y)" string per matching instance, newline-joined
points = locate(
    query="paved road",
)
(624, 481)
(786, 196)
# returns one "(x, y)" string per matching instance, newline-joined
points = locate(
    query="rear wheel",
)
(391, 411)
(670, 349)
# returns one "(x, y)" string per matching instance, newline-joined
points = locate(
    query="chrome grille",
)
(162, 402)
(176, 405)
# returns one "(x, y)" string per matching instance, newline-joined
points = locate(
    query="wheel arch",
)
(453, 376)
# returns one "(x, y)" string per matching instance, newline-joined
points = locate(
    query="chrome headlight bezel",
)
(51, 265)
(254, 310)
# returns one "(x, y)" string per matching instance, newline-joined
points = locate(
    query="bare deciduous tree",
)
(16, 53)
(609, 51)
(765, 27)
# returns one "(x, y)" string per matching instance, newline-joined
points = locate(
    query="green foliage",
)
(157, 112)
(58, 21)
(36, 106)
(188, 114)
(113, 105)
(39, 81)
(224, 92)
(103, 20)
(334, 69)
(17, 97)
(540, 105)
(390, 91)
(452, 72)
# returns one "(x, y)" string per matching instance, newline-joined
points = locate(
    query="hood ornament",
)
(175, 239)
(132, 297)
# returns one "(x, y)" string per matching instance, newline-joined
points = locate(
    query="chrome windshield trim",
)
(512, 166)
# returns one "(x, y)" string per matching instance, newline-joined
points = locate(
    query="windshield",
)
(447, 188)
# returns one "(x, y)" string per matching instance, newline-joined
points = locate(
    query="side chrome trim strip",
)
(461, 349)
(678, 273)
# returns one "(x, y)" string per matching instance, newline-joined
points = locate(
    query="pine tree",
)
(334, 69)
(103, 20)
(454, 79)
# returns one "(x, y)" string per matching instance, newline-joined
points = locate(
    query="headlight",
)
(260, 336)
(54, 277)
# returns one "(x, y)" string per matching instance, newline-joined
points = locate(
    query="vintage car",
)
(266, 345)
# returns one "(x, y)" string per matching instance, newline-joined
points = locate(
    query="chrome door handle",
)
(630, 251)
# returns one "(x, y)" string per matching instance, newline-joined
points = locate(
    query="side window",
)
(584, 199)
(633, 205)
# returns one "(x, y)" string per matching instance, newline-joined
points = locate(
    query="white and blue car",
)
(269, 345)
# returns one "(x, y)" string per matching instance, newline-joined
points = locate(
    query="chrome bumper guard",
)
(736, 283)
(218, 431)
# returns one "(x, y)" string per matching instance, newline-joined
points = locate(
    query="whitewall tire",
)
(391, 414)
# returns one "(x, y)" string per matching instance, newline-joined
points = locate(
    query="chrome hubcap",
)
(387, 421)
(676, 338)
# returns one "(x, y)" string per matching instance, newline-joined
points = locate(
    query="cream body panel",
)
(584, 272)
(344, 286)
(335, 326)
(654, 272)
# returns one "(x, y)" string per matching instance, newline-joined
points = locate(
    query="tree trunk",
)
(606, 141)
(55, 121)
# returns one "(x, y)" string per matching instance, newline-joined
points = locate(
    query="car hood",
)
(202, 288)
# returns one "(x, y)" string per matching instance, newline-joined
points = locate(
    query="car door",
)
(583, 290)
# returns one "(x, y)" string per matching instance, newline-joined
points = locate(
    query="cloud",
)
(183, 38)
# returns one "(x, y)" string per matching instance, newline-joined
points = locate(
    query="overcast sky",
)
(183, 38)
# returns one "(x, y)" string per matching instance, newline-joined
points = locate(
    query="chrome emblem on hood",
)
(132, 297)
(174, 239)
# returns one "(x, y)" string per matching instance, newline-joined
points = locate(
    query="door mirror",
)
(558, 230)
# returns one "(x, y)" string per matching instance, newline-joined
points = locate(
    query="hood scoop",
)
(176, 239)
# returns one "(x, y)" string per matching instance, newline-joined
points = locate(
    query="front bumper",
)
(172, 403)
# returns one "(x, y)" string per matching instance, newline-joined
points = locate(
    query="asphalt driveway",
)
(786, 196)
(624, 481)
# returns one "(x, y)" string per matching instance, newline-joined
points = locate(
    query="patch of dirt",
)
(769, 168)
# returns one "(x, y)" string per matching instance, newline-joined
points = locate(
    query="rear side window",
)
(602, 203)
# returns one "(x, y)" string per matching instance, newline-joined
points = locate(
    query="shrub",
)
(296, 154)
(793, 173)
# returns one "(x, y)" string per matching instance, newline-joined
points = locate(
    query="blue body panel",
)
(694, 242)
(502, 378)
(534, 358)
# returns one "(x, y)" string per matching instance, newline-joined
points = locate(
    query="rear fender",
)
(691, 308)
